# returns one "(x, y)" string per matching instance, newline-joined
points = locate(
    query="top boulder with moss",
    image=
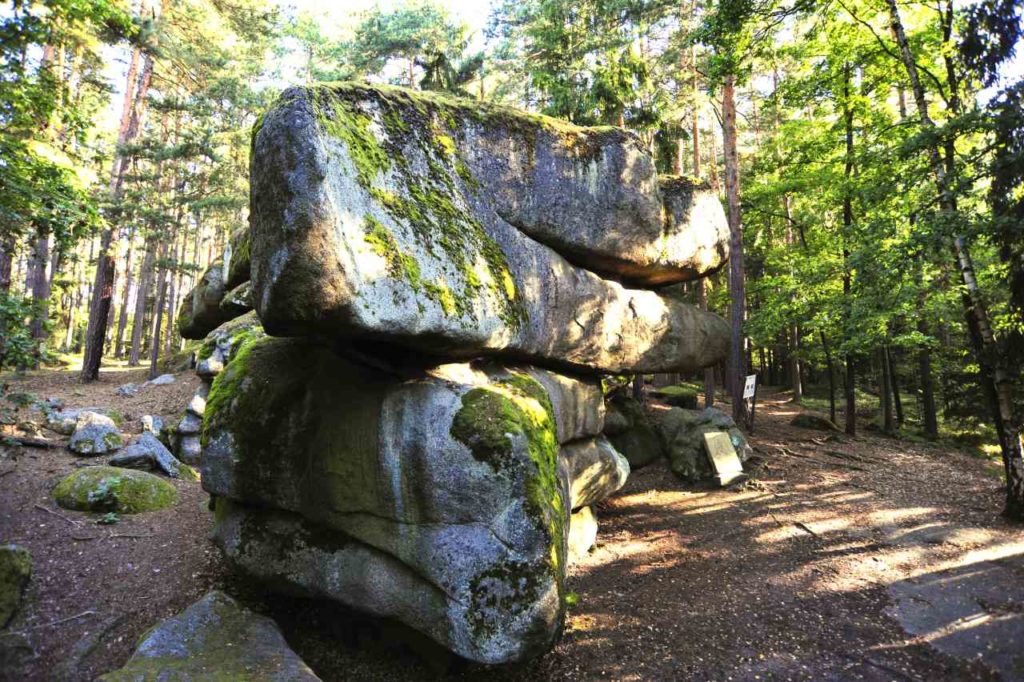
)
(466, 229)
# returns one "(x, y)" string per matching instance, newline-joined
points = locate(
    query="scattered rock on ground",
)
(677, 396)
(112, 489)
(147, 452)
(63, 421)
(95, 434)
(809, 420)
(153, 424)
(15, 571)
(214, 639)
(127, 390)
(161, 380)
(16, 652)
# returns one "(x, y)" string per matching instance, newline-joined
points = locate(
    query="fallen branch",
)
(805, 528)
(83, 614)
(57, 514)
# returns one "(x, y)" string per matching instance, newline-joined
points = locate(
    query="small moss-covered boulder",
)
(638, 442)
(809, 420)
(111, 489)
(15, 571)
(214, 639)
(677, 396)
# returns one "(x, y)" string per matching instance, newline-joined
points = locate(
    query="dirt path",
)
(802, 574)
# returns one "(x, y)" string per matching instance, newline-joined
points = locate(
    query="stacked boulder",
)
(452, 280)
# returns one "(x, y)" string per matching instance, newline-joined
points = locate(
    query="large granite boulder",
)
(236, 258)
(697, 226)
(113, 489)
(436, 497)
(200, 311)
(454, 229)
(214, 639)
(595, 469)
(682, 433)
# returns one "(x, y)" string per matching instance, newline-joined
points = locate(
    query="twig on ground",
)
(34, 442)
(83, 614)
(57, 514)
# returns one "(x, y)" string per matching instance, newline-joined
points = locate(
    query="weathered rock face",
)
(440, 497)
(214, 639)
(582, 533)
(378, 215)
(596, 470)
(95, 434)
(236, 259)
(696, 226)
(200, 311)
(682, 432)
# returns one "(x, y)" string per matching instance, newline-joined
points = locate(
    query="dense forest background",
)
(870, 153)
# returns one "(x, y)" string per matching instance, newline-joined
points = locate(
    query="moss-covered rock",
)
(453, 473)
(632, 435)
(214, 639)
(382, 213)
(237, 263)
(95, 434)
(111, 489)
(200, 311)
(15, 571)
(677, 396)
(808, 420)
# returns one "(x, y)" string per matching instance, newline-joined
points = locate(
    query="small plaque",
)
(750, 386)
(725, 462)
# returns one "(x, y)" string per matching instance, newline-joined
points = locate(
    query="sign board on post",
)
(750, 386)
(724, 460)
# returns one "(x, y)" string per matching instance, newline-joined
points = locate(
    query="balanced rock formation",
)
(379, 214)
(456, 277)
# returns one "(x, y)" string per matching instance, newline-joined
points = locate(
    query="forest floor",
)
(818, 568)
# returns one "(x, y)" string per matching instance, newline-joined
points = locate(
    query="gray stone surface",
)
(152, 424)
(238, 301)
(15, 572)
(63, 421)
(200, 311)
(596, 470)
(161, 380)
(214, 639)
(413, 244)
(147, 452)
(970, 612)
(236, 258)
(453, 475)
(682, 433)
(95, 434)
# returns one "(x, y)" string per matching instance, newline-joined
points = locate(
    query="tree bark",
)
(122, 316)
(139, 318)
(132, 112)
(158, 316)
(737, 287)
(885, 391)
(897, 400)
(831, 378)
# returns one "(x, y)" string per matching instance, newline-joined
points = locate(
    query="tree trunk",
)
(158, 316)
(40, 286)
(709, 372)
(737, 291)
(139, 318)
(897, 400)
(999, 383)
(885, 391)
(831, 379)
(122, 316)
(133, 109)
(851, 363)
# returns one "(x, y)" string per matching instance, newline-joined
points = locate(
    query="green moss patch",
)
(112, 489)
(15, 571)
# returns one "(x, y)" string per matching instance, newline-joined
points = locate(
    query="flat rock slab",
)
(385, 215)
(970, 612)
(214, 639)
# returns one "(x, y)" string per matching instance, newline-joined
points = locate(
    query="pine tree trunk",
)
(122, 316)
(132, 112)
(737, 291)
(40, 286)
(158, 316)
(897, 401)
(851, 362)
(141, 296)
(885, 392)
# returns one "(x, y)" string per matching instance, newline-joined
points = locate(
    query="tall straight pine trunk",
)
(737, 289)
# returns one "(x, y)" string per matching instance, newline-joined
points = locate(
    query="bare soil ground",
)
(787, 577)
